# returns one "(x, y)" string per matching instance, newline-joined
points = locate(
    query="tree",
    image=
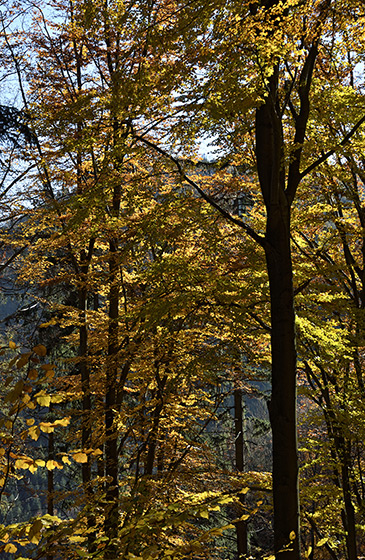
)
(139, 294)
(260, 74)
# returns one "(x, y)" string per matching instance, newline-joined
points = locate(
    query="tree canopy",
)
(163, 294)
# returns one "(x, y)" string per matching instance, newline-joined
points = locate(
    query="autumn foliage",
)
(159, 289)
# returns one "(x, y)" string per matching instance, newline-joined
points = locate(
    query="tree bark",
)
(282, 406)
(111, 520)
(241, 526)
(50, 483)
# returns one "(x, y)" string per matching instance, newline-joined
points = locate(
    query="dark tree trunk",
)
(111, 434)
(282, 407)
(241, 526)
(50, 483)
(86, 442)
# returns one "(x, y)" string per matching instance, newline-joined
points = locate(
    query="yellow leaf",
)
(97, 452)
(292, 536)
(40, 462)
(30, 421)
(77, 538)
(80, 457)
(43, 400)
(34, 432)
(205, 514)
(2, 451)
(66, 460)
(40, 350)
(63, 421)
(12, 345)
(26, 399)
(22, 463)
(322, 541)
(46, 427)
(10, 548)
(51, 464)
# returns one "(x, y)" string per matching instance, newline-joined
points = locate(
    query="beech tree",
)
(116, 94)
(259, 78)
(141, 377)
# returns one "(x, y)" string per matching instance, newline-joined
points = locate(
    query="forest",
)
(182, 276)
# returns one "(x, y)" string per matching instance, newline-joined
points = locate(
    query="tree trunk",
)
(111, 440)
(50, 482)
(241, 526)
(282, 407)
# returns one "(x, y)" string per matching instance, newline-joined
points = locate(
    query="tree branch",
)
(252, 233)
(331, 152)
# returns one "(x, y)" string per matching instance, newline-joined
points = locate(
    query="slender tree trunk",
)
(348, 515)
(153, 433)
(50, 483)
(86, 406)
(241, 526)
(111, 441)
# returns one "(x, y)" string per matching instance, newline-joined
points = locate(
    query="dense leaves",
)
(159, 288)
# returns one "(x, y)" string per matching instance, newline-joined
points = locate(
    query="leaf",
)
(40, 350)
(34, 432)
(51, 465)
(77, 538)
(12, 345)
(323, 541)
(97, 452)
(43, 399)
(23, 463)
(292, 536)
(80, 457)
(63, 421)
(34, 534)
(10, 547)
(46, 427)
(47, 367)
(23, 360)
(33, 374)
(13, 395)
